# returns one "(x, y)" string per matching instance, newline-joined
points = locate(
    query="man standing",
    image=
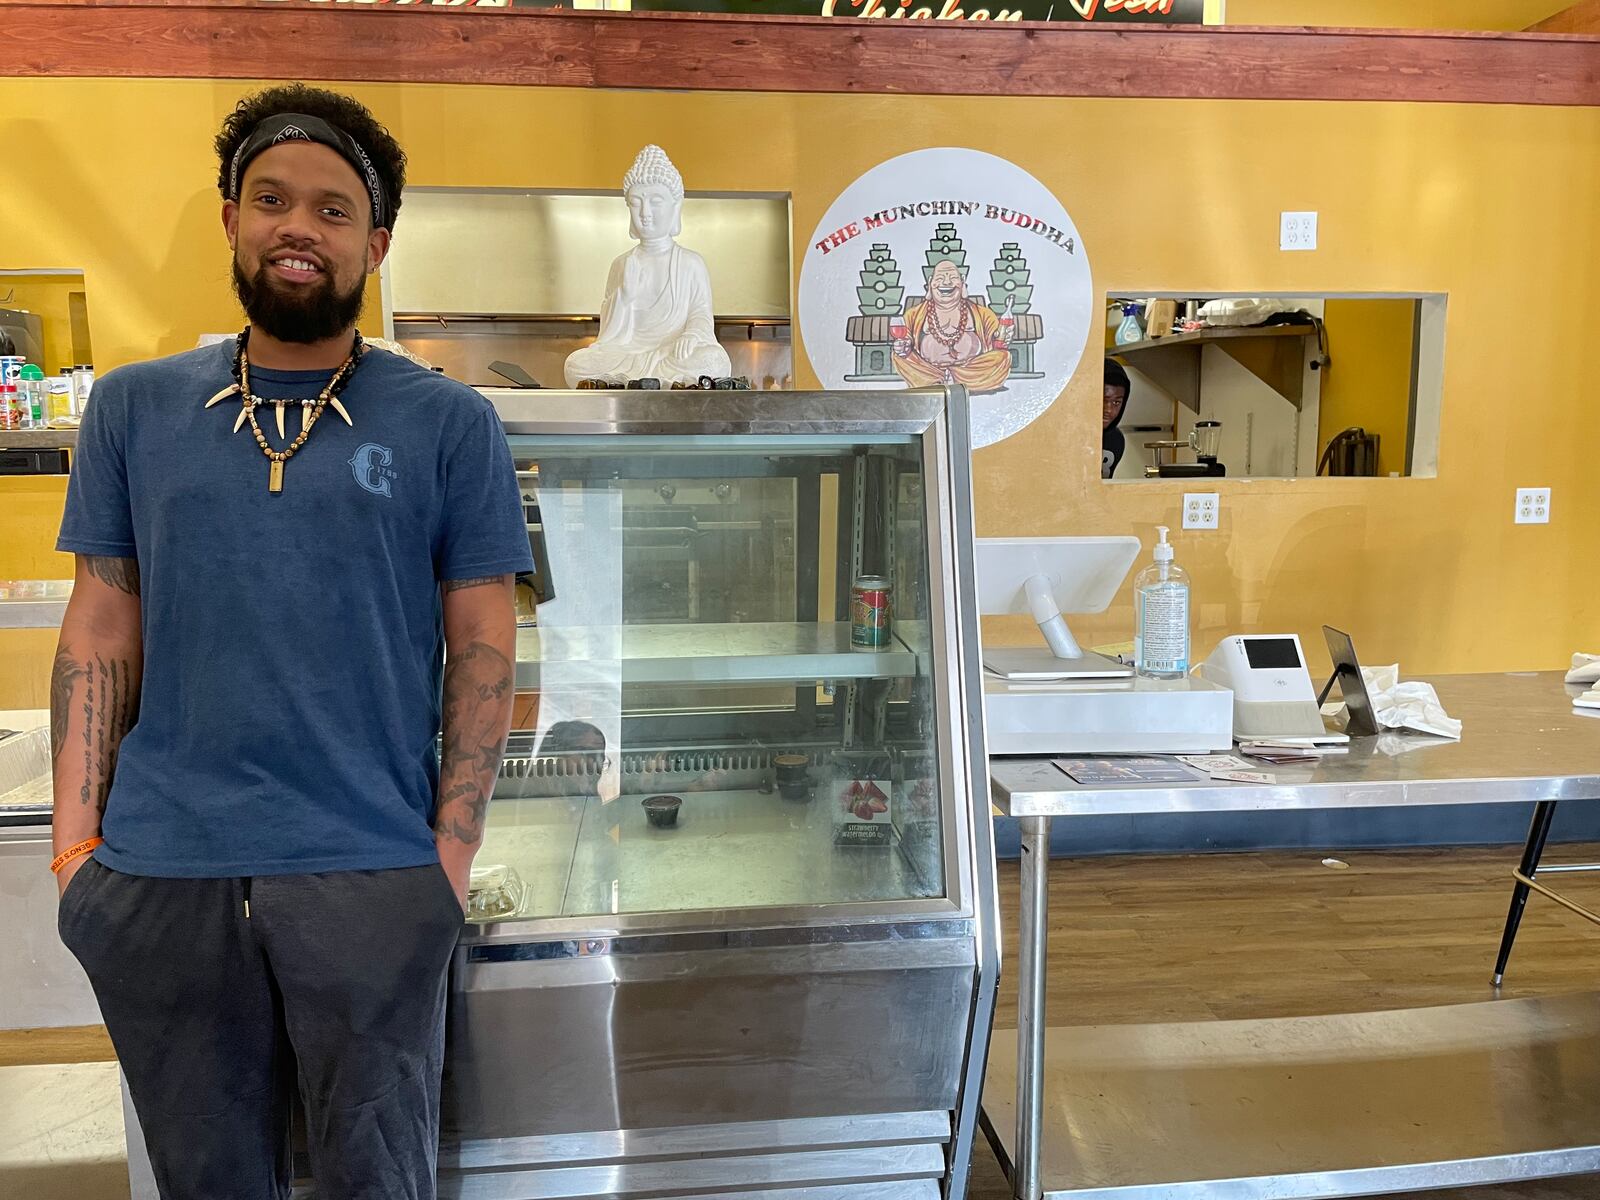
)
(1113, 443)
(285, 545)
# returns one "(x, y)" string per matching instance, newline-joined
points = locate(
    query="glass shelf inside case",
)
(699, 727)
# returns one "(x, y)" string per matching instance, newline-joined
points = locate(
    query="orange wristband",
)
(72, 852)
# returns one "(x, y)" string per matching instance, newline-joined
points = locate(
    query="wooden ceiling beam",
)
(722, 52)
(1583, 17)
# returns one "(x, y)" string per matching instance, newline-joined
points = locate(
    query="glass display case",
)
(736, 891)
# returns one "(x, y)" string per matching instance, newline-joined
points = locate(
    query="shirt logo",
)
(370, 466)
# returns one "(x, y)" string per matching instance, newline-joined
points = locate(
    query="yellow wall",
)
(1395, 14)
(1413, 198)
(1368, 382)
(51, 298)
(30, 511)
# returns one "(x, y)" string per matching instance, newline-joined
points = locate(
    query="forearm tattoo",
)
(64, 676)
(120, 573)
(478, 696)
(104, 692)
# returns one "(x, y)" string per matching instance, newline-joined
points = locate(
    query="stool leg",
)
(1538, 832)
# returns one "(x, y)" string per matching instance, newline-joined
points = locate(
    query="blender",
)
(1206, 440)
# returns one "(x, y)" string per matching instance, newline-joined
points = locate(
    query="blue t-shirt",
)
(293, 643)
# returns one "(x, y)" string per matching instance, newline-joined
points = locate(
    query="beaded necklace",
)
(963, 323)
(310, 408)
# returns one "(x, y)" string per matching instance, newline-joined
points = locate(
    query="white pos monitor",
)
(1047, 577)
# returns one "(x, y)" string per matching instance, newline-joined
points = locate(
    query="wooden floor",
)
(1222, 937)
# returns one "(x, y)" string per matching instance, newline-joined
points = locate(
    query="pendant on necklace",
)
(279, 406)
(339, 408)
(305, 415)
(244, 414)
(223, 394)
(275, 477)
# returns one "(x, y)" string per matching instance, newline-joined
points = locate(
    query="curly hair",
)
(336, 109)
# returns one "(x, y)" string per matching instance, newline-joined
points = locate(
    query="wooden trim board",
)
(564, 48)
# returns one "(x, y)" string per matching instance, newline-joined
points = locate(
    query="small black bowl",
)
(793, 773)
(662, 811)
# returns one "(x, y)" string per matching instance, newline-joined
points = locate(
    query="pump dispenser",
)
(1161, 616)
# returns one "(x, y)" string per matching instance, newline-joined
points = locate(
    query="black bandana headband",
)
(298, 127)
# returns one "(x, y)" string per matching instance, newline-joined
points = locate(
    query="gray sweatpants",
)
(333, 981)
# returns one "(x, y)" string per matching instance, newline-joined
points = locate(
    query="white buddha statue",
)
(656, 319)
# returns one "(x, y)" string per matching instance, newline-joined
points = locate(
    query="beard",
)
(311, 314)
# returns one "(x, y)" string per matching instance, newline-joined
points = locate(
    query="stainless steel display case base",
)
(1305, 1108)
(872, 1157)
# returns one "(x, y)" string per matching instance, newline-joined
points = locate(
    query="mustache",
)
(312, 314)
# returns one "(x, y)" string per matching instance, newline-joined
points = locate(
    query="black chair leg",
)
(1538, 832)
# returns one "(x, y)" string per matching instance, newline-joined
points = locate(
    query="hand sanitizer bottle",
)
(1161, 612)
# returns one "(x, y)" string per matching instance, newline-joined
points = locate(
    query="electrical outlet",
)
(1200, 510)
(1297, 231)
(1533, 506)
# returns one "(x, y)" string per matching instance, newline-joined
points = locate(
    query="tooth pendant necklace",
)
(310, 408)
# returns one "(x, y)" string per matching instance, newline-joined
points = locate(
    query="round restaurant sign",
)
(949, 266)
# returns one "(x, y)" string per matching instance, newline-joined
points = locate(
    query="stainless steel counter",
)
(1521, 741)
(1309, 1107)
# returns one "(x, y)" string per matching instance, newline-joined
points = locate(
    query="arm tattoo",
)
(477, 716)
(106, 693)
(456, 585)
(120, 573)
(64, 676)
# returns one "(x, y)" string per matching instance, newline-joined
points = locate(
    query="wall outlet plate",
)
(1297, 231)
(1200, 510)
(1533, 506)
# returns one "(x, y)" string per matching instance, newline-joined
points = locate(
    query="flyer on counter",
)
(1214, 762)
(1089, 771)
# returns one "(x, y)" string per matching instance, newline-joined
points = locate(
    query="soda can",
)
(11, 369)
(870, 612)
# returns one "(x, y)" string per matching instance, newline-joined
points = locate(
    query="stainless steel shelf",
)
(710, 654)
(730, 849)
(1348, 1105)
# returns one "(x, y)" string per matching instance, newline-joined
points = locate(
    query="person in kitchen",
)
(263, 857)
(951, 338)
(1112, 442)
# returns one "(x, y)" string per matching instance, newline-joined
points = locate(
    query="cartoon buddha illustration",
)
(950, 338)
(657, 318)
